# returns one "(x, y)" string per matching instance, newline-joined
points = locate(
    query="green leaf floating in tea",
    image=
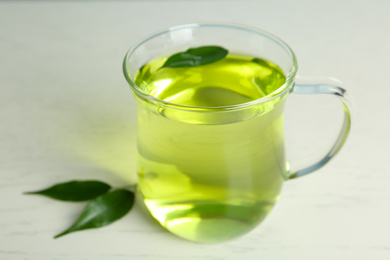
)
(74, 190)
(102, 211)
(196, 57)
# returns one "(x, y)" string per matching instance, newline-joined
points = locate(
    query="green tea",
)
(211, 173)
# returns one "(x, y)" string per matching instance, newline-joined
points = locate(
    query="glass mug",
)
(211, 173)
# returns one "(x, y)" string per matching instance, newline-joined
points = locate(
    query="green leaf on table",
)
(196, 57)
(103, 210)
(74, 190)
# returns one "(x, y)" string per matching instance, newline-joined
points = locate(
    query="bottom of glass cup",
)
(209, 222)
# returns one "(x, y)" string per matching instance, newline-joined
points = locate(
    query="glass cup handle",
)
(339, 93)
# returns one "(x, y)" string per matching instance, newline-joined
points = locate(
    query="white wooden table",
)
(67, 113)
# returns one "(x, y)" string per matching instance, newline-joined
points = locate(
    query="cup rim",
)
(275, 94)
